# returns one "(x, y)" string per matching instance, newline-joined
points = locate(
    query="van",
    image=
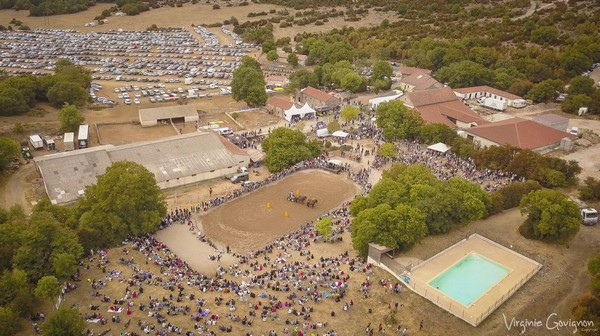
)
(240, 177)
(224, 131)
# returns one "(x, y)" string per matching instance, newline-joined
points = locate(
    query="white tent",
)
(302, 112)
(321, 133)
(339, 134)
(439, 147)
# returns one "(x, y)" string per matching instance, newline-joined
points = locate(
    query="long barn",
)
(179, 113)
(175, 161)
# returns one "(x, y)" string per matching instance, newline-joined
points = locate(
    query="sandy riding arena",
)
(246, 224)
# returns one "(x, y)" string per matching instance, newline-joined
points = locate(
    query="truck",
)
(589, 216)
(83, 136)
(495, 104)
(36, 142)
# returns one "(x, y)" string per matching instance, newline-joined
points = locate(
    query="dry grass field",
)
(181, 17)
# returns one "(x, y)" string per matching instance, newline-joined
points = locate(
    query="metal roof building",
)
(179, 113)
(174, 161)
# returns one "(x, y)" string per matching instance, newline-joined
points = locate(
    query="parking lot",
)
(147, 66)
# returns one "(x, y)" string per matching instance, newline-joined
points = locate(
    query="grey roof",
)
(167, 112)
(550, 118)
(67, 174)
(178, 156)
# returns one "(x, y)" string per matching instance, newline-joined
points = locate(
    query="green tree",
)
(10, 324)
(285, 147)
(581, 85)
(248, 84)
(545, 91)
(12, 102)
(11, 283)
(573, 103)
(70, 118)
(590, 191)
(388, 150)
(436, 132)
(268, 45)
(47, 288)
(65, 71)
(333, 126)
(125, 201)
(397, 121)
(9, 149)
(465, 73)
(349, 113)
(44, 241)
(301, 79)
(292, 59)
(324, 226)
(574, 62)
(550, 215)
(66, 322)
(272, 56)
(545, 34)
(398, 228)
(352, 82)
(382, 70)
(63, 92)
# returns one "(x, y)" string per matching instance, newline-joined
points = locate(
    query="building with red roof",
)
(517, 132)
(317, 99)
(442, 106)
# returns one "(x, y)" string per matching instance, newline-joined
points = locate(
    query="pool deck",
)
(521, 270)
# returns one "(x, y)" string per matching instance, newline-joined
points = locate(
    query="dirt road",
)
(15, 188)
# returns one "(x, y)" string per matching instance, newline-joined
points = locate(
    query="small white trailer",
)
(495, 104)
(69, 141)
(36, 142)
(83, 136)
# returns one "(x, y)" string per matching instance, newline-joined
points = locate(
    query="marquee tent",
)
(439, 147)
(295, 111)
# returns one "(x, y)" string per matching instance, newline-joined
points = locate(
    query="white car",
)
(136, 101)
(127, 101)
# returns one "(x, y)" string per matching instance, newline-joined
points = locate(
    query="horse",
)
(311, 203)
(301, 199)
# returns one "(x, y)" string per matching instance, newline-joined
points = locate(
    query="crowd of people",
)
(284, 282)
(446, 165)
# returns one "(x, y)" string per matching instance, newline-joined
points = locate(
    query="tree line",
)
(41, 250)
(530, 57)
(18, 94)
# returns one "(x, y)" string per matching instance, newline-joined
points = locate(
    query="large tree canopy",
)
(550, 215)
(125, 201)
(285, 147)
(248, 84)
(70, 118)
(442, 204)
(9, 149)
(397, 121)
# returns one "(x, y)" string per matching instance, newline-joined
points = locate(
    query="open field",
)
(187, 15)
(117, 134)
(246, 224)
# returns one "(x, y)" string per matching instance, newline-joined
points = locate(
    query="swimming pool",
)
(469, 278)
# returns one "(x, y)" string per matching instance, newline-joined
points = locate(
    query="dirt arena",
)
(247, 224)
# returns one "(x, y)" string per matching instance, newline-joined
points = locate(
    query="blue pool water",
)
(469, 278)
